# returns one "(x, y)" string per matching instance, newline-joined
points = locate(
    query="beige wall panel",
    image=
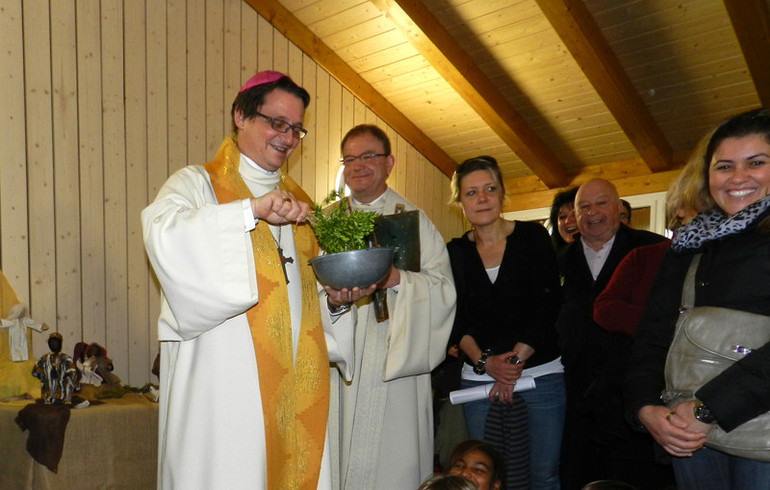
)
(322, 141)
(115, 203)
(423, 183)
(280, 53)
(160, 140)
(64, 77)
(432, 186)
(412, 185)
(168, 34)
(91, 172)
(264, 45)
(331, 159)
(348, 113)
(398, 147)
(294, 70)
(359, 113)
(197, 150)
(142, 344)
(214, 76)
(42, 218)
(13, 171)
(248, 40)
(308, 81)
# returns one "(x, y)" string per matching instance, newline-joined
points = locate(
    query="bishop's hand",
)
(279, 207)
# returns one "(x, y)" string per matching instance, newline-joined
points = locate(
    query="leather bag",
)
(708, 340)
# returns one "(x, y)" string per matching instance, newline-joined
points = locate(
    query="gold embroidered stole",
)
(295, 393)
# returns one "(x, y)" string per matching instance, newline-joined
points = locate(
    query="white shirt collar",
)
(375, 203)
(597, 258)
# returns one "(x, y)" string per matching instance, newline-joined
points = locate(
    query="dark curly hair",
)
(566, 196)
(497, 471)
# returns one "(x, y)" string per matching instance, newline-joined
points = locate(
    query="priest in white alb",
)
(381, 419)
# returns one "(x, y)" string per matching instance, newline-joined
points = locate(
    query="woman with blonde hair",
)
(507, 283)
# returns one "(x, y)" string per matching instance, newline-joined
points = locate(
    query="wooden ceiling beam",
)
(627, 186)
(583, 38)
(304, 39)
(434, 43)
(751, 23)
(631, 177)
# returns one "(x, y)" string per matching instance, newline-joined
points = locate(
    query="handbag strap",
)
(688, 288)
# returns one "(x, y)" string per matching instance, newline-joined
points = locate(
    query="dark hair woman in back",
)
(562, 218)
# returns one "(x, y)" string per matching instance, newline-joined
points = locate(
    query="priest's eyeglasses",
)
(363, 158)
(283, 127)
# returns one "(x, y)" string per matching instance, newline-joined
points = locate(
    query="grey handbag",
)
(708, 340)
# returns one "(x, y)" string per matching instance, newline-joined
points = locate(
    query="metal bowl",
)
(354, 268)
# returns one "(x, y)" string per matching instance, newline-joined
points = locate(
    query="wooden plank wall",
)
(100, 101)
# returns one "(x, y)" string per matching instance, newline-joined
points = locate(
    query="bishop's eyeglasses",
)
(284, 127)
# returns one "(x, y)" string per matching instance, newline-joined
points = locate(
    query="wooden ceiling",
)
(558, 91)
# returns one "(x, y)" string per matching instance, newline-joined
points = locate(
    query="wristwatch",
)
(480, 366)
(337, 310)
(702, 413)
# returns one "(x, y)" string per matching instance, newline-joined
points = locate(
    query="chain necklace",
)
(283, 259)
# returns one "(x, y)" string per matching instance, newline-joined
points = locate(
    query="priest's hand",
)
(393, 279)
(279, 207)
(340, 297)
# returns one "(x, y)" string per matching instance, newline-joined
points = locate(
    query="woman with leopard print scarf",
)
(733, 237)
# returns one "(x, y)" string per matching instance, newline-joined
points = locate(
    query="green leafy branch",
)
(342, 228)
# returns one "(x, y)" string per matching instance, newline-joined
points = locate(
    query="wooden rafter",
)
(751, 23)
(583, 38)
(296, 32)
(628, 186)
(443, 53)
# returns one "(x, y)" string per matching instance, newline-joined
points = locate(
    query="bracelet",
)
(480, 366)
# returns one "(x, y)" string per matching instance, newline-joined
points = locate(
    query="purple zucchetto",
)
(261, 78)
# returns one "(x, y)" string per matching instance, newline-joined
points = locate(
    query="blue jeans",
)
(708, 469)
(545, 409)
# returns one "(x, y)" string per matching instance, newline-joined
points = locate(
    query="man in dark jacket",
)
(598, 443)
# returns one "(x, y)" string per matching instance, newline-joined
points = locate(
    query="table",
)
(113, 445)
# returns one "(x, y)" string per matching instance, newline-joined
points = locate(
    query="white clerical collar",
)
(254, 165)
(257, 179)
(376, 203)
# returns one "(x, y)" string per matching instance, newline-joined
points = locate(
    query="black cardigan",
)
(522, 304)
(733, 273)
(595, 360)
